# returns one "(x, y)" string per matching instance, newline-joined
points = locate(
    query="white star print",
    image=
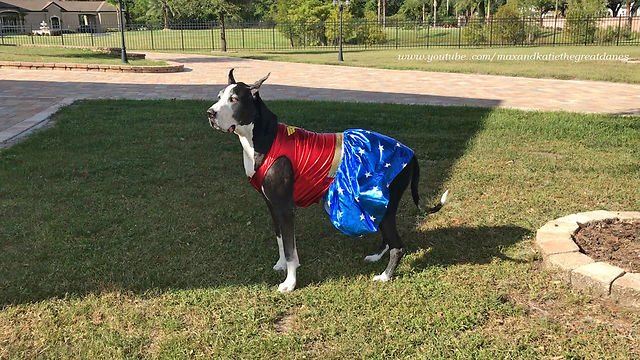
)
(329, 202)
(340, 191)
(372, 218)
(339, 214)
(357, 199)
(375, 188)
(367, 131)
(367, 174)
(361, 216)
(403, 165)
(381, 148)
(387, 165)
(361, 151)
(388, 185)
(397, 144)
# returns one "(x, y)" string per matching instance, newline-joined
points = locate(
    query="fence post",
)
(304, 34)
(397, 26)
(619, 23)
(31, 33)
(182, 36)
(152, 44)
(586, 31)
(428, 36)
(366, 32)
(212, 37)
(490, 31)
(459, 35)
(555, 27)
(524, 29)
(274, 36)
(242, 29)
(61, 36)
(2, 33)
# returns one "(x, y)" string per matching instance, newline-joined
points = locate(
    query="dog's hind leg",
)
(391, 236)
(277, 188)
(388, 226)
(378, 254)
(281, 265)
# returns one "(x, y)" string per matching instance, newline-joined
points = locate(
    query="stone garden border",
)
(22, 65)
(560, 253)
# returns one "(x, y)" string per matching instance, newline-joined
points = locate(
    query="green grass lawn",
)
(129, 230)
(67, 55)
(616, 71)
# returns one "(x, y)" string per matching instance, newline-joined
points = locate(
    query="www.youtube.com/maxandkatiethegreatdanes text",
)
(536, 56)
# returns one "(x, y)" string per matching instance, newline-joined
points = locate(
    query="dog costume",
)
(351, 171)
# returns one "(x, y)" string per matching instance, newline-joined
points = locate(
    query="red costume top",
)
(312, 156)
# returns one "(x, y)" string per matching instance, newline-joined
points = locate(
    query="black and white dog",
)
(240, 110)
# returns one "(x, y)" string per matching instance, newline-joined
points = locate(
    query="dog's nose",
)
(211, 113)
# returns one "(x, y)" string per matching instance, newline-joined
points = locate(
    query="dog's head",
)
(238, 105)
(241, 110)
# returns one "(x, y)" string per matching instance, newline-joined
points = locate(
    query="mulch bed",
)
(614, 241)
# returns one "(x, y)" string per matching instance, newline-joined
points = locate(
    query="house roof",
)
(41, 5)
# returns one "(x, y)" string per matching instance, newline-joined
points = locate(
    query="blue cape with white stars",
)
(357, 199)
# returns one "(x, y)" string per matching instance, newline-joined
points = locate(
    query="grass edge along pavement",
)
(615, 71)
(607, 70)
(127, 231)
(52, 54)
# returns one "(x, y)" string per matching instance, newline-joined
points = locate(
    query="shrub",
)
(580, 27)
(509, 27)
(581, 16)
(475, 33)
(611, 34)
(332, 30)
(370, 32)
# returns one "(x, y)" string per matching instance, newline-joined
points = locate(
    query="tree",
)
(203, 10)
(614, 6)
(303, 20)
(162, 8)
(416, 9)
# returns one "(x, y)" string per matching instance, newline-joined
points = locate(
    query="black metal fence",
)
(358, 34)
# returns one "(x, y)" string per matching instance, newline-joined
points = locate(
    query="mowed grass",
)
(67, 55)
(601, 70)
(129, 230)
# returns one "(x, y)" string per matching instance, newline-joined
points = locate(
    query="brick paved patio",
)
(27, 93)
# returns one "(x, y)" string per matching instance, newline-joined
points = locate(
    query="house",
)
(23, 16)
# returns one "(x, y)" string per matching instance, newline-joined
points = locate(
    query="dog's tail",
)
(415, 180)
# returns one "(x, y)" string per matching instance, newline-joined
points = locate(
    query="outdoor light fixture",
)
(336, 3)
(123, 50)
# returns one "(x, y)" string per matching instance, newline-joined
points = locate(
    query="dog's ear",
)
(256, 85)
(231, 79)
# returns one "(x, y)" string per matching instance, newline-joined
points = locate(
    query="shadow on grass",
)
(143, 196)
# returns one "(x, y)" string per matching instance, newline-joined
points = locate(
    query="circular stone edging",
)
(555, 242)
(24, 65)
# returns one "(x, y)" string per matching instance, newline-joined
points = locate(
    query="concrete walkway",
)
(27, 97)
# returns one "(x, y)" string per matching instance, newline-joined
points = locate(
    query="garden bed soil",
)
(614, 241)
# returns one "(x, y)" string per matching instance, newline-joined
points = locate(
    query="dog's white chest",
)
(247, 151)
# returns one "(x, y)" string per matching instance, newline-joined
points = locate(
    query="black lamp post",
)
(347, 3)
(123, 51)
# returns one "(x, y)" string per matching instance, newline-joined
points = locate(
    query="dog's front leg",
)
(281, 265)
(277, 188)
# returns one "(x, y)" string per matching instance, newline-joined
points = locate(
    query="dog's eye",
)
(234, 99)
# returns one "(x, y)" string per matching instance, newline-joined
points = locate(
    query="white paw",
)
(372, 258)
(381, 278)
(287, 286)
(281, 265)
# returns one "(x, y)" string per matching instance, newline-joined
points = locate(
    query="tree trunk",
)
(165, 16)
(223, 39)
(629, 12)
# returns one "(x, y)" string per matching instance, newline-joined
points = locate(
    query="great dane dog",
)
(359, 175)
